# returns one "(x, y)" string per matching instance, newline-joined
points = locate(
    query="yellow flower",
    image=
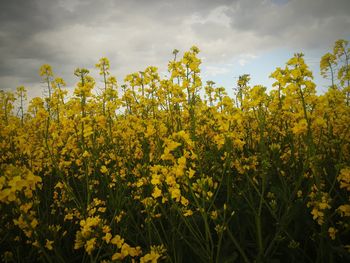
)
(170, 180)
(344, 210)
(88, 224)
(26, 207)
(151, 257)
(299, 193)
(179, 170)
(119, 217)
(150, 131)
(191, 173)
(317, 215)
(175, 194)
(125, 251)
(34, 223)
(117, 256)
(59, 185)
(188, 212)
(182, 161)
(155, 179)
(324, 205)
(90, 245)
(118, 241)
(169, 147)
(48, 244)
(79, 241)
(332, 231)
(104, 169)
(344, 178)
(86, 154)
(68, 216)
(219, 140)
(184, 201)
(102, 209)
(214, 215)
(36, 243)
(156, 192)
(107, 237)
(300, 127)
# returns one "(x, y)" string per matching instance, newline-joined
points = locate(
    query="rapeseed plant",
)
(150, 170)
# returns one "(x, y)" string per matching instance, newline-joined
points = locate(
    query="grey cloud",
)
(292, 19)
(21, 19)
(134, 34)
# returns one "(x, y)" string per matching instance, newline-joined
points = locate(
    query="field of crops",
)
(175, 170)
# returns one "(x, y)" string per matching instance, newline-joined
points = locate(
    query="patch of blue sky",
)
(260, 67)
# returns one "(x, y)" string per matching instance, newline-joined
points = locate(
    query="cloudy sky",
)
(234, 36)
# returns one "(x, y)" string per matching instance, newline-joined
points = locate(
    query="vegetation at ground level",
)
(175, 170)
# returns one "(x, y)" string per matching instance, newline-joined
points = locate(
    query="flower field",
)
(175, 170)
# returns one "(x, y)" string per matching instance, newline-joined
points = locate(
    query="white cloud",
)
(244, 59)
(213, 71)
